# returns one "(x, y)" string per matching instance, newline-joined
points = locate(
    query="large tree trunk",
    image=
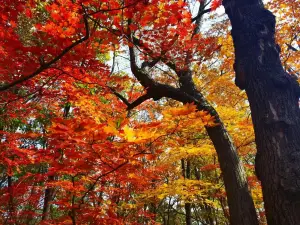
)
(273, 96)
(241, 206)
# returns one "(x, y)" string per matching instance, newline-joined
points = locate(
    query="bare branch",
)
(134, 104)
(99, 177)
(113, 62)
(143, 78)
(290, 47)
(201, 14)
(138, 101)
(201, 11)
(120, 96)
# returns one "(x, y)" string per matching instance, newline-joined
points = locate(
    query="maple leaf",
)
(215, 4)
(98, 156)
(129, 133)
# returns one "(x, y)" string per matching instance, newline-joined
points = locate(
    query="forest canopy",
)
(127, 112)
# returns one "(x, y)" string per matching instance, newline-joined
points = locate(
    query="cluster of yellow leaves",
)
(141, 134)
(184, 189)
(187, 151)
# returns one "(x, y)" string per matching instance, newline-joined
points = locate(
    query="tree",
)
(241, 206)
(65, 135)
(236, 185)
(274, 100)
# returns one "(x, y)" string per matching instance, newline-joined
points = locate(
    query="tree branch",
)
(99, 177)
(138, 101)
(45, 65)
(143, 78)
(135, 103)
(290, 47)
(201, 14)
(120, 96)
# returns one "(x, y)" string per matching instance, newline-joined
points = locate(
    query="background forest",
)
(95, 123)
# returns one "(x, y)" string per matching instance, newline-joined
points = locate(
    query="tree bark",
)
(241, 206)
(274, 101)
(47, 198)
(186, 173)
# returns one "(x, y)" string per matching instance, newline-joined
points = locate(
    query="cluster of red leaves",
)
(69, 166)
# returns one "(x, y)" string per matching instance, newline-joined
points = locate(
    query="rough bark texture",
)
(273, 95)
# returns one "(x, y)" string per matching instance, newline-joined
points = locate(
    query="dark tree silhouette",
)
(273, 95)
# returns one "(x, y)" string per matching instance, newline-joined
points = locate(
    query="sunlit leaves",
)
(186, 190)
(65, 131)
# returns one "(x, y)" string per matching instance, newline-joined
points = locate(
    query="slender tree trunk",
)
(241, 206)
(183, 167)
(274, 100)
(72, 212)
(11, 207)
(186, 173)
(47, 198)
(49, 192)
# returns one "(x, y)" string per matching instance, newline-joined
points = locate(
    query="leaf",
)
(129, 133)
(215, 4)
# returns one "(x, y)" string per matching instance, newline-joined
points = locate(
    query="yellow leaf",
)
(129, 133)
(110, 130)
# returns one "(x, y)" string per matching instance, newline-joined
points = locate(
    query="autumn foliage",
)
(80, 144)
